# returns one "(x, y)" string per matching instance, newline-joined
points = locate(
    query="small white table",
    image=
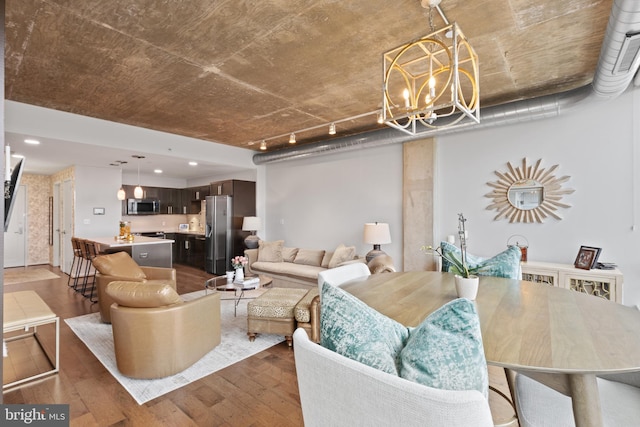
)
(25, 310)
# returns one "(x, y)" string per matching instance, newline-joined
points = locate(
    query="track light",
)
(292, 138)
(332, 129)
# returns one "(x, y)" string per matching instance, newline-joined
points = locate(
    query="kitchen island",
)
(147, 251)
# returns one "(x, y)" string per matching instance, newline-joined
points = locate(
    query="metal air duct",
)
(609, 82)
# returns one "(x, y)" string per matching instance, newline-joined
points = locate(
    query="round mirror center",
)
(526, 194)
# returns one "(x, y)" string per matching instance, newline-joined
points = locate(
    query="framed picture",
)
(587, 257)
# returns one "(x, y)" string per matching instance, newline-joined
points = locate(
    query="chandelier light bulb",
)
(263, 145)
(292, 138)
(380, 118)
(332, 129)
(405, 95)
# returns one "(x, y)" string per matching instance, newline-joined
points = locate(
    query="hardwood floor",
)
(258, 391)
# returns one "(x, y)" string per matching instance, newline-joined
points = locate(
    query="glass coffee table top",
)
(220, 284)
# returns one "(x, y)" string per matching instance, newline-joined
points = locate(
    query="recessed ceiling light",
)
(32, 141)
(17, 156)
(193, 163)
(157, 171)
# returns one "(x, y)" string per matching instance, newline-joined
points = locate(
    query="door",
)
(55, 223)
(15, 238)
(67, 226)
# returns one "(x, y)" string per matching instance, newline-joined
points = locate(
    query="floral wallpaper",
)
(38, 228)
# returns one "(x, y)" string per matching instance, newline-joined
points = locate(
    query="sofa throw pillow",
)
(270, 251)
(142, 295)
(309, 257)
(445, 351)
(353, 329)
(289, 254)
(505, 264)
(118, 264)
(341, 254)
(325, 259)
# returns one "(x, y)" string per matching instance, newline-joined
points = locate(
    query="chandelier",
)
(431, 82)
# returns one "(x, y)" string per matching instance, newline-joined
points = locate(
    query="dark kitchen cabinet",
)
(194, 197)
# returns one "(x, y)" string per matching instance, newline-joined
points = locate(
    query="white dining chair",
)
(339, 275)
(538, 405)
(338, 391)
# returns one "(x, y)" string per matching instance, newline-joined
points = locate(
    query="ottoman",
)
(273, 313)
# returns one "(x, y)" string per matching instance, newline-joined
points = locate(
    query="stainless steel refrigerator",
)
(218, 234)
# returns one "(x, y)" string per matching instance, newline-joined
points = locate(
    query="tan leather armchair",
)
(119, 266)
(155, 333)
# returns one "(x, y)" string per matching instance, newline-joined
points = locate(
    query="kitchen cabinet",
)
(189, 249)
(605, 284)
(194, 197)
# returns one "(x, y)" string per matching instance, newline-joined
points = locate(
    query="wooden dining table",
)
(559, 337)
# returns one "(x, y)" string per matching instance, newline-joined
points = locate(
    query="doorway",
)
(67, 227)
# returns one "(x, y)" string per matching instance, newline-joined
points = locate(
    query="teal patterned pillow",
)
(445, 351)
(505, 264)
(353, 329)
(447, 248)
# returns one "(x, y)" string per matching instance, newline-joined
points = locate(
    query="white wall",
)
(320, 202)
(594, 144)
(96, 188)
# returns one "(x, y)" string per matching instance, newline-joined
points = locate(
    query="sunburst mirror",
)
(528, 193)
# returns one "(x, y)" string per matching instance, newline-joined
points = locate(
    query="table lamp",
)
(252, 224)
(376, 234)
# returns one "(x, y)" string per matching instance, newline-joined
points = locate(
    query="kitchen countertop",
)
(112, 242)
(190, 232)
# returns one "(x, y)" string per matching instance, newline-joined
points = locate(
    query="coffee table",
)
(220, 284)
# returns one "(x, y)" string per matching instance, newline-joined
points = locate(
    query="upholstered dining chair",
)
(538, 405)
(339, 275)
(338, 391)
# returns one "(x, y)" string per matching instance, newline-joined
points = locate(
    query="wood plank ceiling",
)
(236, 71)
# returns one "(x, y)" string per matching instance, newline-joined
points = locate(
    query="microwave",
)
(143, 206)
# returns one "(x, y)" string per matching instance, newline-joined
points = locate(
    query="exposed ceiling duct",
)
(619, 52)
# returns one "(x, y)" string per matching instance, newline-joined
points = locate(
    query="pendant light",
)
(137, 192)
(121, 194)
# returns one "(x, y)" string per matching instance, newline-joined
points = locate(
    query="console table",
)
(605, 284)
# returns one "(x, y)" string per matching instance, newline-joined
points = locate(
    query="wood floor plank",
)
(261, 390)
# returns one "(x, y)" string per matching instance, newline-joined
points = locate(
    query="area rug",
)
(21, 275)
(234, 347)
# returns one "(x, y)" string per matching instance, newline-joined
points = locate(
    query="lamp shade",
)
(377, 233)
(251, 223)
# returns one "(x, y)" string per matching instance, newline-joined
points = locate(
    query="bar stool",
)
(89, 252)
(76, 262)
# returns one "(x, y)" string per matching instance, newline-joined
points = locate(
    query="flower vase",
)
(240, 275)
(467, 287)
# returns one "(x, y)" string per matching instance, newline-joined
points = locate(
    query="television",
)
(11, 192)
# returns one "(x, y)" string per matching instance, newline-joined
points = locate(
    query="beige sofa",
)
(295, 267)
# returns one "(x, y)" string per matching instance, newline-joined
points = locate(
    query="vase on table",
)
(239, 275)
(467, 287)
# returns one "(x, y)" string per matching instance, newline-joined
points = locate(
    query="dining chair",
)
(538, 405)
(339, 275)
(338, 391)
